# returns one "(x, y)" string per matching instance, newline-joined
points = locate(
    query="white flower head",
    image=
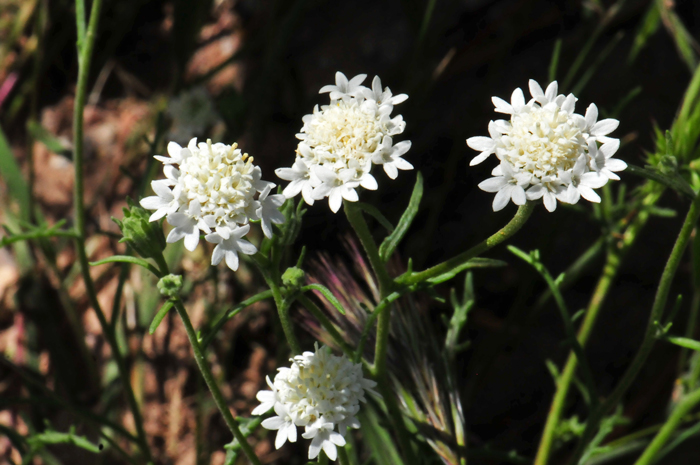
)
(213, 187)
(320, 392)
(340, 142)
(546, 150)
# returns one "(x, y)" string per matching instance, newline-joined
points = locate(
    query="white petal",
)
(481, 144)
(609, 148)
(174, 150)
(231, 259)
(330, 450)
(350, 195)
(551, 92)
(493, 184)
(273, 423)
(501, 199)
(536, 90)
(281, 438)
(588, 194)
(502, 106)
(604, 127)
(402, 164)
(335, 199)
(518, 195)
(391, 170)
(517, 99)
(550, 201)
(368, 182)
(479, 158)
(591, 115)
(175, 235)
(191, 240)
(247, 248)
(613, 164)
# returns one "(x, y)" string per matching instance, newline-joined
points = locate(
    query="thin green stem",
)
(211, 383)
(523, 213)
(650, 333)
(662, 437)
(283, 305)
(206, 372)
(84, 58)
(610, 269)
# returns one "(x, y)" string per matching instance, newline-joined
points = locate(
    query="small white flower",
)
(267, 398)
(507, 184)
(546, 150)
(323, 438)
(346, 138)
(229, 243)
(213, 187)
(319, 392)
(389, 156)
(268, 212)
(283, 423)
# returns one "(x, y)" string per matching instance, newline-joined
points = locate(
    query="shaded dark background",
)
(471, 50)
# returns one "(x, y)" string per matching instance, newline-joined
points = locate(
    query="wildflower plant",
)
(385, 343)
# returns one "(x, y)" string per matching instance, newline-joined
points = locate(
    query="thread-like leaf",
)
(684, 342)
(386, 250)
(327, 294)
(477, 262)
(159, 316)
(376, 214)
(128, 259)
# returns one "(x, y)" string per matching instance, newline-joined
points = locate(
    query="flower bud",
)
(170, 285)
(293, 277)
(145, 238)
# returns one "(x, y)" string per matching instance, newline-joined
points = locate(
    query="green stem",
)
(206, 372)
(283, 305)
(84, 58)
(650, 333)
(662, 437)
(211, 383)
(386, 284)
(343, 456)
(523, 213)
(610, 269)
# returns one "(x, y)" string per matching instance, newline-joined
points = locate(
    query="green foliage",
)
(144, 236)
(386, 250)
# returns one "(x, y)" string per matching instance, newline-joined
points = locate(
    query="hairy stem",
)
(85, 48)
(523, 213)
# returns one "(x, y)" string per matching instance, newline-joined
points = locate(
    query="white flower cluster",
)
(341, 141)
(546, 150)
(217, 190)
(319, 392)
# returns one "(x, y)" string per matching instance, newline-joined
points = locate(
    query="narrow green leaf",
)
(477, 262)
(159, 316)
(554, 62)
(11, 173)
(51, 142)
(378, 439)
(386, 250)
(668, 181)
(55, 437)
(128, 259)
(376, 214)
(684, 342)
(327, 294)
(649, 26)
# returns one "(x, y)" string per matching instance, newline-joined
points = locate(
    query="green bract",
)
(145, 238)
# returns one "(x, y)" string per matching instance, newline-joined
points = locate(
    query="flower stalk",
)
(207, 374)
(86, 44)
